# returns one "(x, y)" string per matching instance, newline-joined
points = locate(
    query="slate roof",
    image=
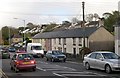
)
(67, 33)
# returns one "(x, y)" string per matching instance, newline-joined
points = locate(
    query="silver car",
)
(102, 60)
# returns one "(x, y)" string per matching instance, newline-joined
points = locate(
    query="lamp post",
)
(23, 29)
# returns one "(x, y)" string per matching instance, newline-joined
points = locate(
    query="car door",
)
(99, 61)
(49, 54)
(91, 60)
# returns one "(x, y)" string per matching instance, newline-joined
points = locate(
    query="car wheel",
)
(108, 69)
(42, 56)
(9, 57)
(52, 60)
(11, 68)
(46, 59)
(87, 66)
(34, 69)
(64, 60)
(16, 70)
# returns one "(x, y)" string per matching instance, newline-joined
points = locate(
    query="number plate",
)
(26, 62)
(60, 58)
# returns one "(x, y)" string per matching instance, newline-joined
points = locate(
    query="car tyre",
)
(64, 60)
(42, 56)
(9, 57)
(34, 69)
(46, 58)
(87, 66)
(52, 60)
(11, 68)
(108, 69)
(16, 70)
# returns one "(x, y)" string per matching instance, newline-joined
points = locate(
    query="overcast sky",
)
(46, 11)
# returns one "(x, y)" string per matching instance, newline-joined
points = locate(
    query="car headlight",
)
(64, 56)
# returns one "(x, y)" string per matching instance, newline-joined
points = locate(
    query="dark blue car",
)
(55, 55)
(11, 49)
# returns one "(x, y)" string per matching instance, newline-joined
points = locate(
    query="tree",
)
(8, 32)
(74, 20)
(50, 27)
(110, 20)
(30, 25)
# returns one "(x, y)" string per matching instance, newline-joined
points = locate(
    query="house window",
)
(80, 41)
(59, 40)
(74, 41)
(64, 41)
(60, 48)
(54, 48)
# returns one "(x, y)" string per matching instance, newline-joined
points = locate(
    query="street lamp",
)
(23, 29)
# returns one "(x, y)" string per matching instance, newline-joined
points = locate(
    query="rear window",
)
(25, 56)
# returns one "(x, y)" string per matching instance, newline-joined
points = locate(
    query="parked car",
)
(55, 55)
(5, 54)
(102, 60)
(3, 49)
(11, 49)
(21, 50)
(22, 61)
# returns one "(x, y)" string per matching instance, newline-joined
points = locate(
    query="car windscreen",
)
(25, 56)
(36, 47)
(110, 56)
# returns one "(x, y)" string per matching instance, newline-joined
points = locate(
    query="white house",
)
(71, 40)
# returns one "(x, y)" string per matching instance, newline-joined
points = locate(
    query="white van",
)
(35, 49)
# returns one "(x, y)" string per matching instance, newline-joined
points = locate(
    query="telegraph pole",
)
(83, 6)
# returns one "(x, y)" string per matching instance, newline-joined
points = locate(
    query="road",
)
(47, 69)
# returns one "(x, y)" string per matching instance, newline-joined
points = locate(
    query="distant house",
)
(16, 38)
(71, 40)
(1, 40)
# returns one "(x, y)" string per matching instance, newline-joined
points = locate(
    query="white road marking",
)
(73, 62)
(77, 73)
(99, 74)
(70, 68)
(64, 71)
(73, 72)
(40, 69)
(59, 75)
(53, 69)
